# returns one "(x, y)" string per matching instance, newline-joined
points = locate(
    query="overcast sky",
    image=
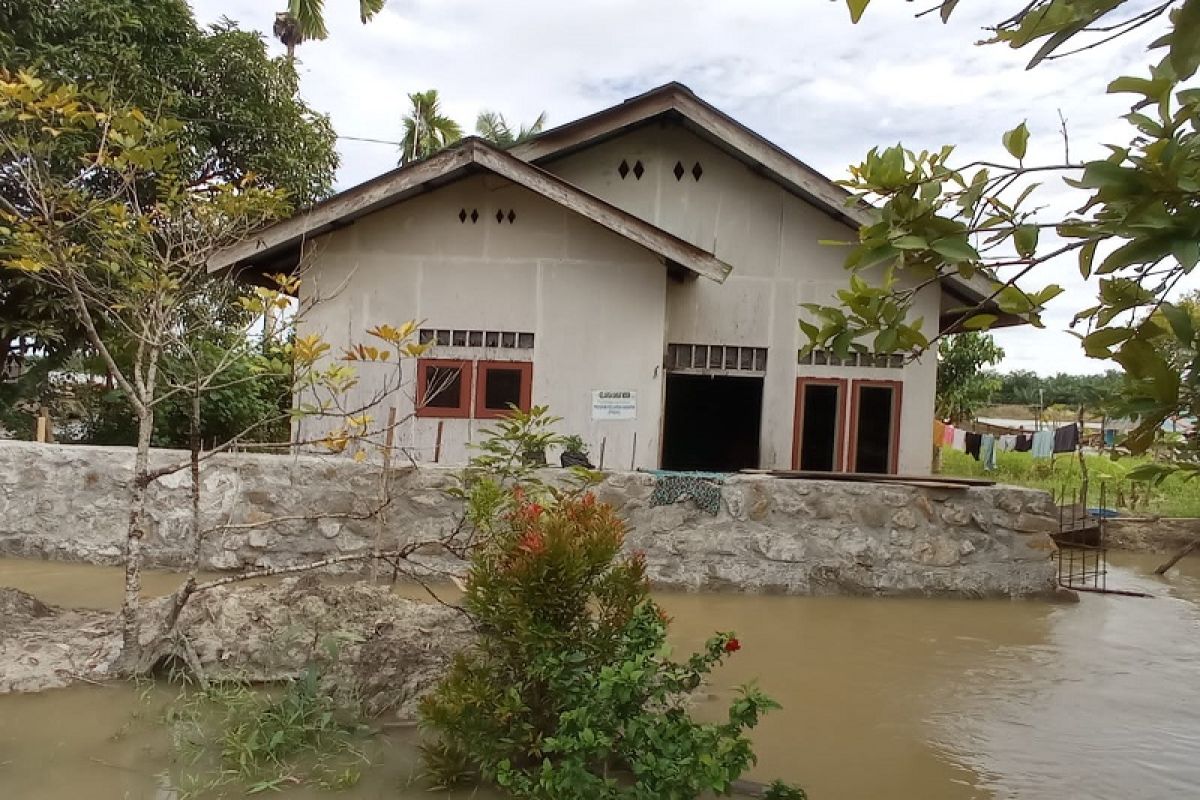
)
(795, 71)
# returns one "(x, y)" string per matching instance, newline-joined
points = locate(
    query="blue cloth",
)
(987, 452)
(1043, 444)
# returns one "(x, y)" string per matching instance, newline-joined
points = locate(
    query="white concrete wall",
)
(771, 238)
(595, 302)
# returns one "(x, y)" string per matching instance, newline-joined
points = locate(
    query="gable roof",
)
(677, 102)
(468, 156)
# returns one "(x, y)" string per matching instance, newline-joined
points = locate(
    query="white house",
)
(641, 272)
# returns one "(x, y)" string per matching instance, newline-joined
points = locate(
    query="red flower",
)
(732, 646)
(534, 510)
(532, 543)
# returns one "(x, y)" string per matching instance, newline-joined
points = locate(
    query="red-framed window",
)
(444, 387)
(500, 385)
(820, 424)
(875, 425)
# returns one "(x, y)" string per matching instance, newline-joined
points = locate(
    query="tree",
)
(132, 262)
(1137, 229)
(492, 126)
(426, 129)
(239, 112)
(963, 386)
(305, 19)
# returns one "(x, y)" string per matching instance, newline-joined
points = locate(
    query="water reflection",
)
(930, 699)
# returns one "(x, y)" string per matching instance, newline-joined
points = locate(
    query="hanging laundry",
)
(1066, 439)
(948, 438)
(974, 440)
(939, 433)
(960, 439)
(1043, 444)
(1006, 443)
(987, 452)
(1024, 443)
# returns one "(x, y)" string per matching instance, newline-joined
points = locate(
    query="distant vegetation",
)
(1175, 496)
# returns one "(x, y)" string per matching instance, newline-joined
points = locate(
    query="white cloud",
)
(796, 71)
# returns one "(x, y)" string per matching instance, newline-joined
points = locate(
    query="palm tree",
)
(305, 19)
(425, 129)
(492, 126)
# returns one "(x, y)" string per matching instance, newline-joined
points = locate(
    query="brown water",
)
(929, 699)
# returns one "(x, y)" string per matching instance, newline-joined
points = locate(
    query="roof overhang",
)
(469, 156)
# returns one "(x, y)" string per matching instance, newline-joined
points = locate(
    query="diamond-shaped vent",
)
(474, 215)
(623, 170)
(697, 171)
(638, 170)
(462, 215)
(512, 216)
(499, 215)
(678, 171)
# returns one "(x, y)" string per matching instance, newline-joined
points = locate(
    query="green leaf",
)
(1185, 40)
(1181, 322)
(1016, 141)
(955, 248)
(980, 322)
(1025, 238)
(857, 7)
(910, 242)
(1099, 343)
(1087, 254)
(1102, 174)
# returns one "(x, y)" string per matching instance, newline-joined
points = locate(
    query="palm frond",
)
(369, 8)
(310, 18)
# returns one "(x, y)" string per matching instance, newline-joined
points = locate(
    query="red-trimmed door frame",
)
(897, 388)
(839, 454)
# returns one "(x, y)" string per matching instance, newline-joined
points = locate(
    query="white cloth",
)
(960, 439)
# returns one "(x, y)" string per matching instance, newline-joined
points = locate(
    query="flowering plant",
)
(569, 690)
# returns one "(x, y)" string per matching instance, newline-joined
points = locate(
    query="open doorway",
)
(711, 422)
(875, 426)
(820, 424)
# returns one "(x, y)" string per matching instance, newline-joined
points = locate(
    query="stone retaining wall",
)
(794, 536)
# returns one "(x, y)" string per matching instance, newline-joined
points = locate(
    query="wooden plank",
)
(871, 477)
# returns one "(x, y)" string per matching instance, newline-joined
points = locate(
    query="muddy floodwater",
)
(883, 698)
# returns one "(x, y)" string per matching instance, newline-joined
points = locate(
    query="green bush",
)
(570, 691)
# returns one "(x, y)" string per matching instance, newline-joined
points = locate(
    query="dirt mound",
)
(44, 647)
(386, 650)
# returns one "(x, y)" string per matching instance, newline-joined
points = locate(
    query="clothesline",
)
(984, 446)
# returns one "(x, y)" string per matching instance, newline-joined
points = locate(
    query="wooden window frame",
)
(842, 384)
(897, 388)
(526, 399)
(463, 409)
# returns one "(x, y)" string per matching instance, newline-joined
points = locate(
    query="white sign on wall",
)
(614, 405)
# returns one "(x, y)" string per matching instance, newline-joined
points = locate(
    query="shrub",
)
(570, 691)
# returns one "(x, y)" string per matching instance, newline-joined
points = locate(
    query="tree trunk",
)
(136, 533)
(194, 447)
(1175, 559)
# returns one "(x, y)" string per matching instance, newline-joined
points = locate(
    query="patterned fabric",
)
(704, 488)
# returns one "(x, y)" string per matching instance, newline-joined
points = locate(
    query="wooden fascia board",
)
(608, 216)
(377, 194)
(347, 205)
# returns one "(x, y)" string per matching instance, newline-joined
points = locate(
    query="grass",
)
(232, 735)
(1174, 497)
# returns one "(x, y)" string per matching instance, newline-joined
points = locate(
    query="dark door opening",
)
(876, 426)
(712, 422)
(820, 424)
